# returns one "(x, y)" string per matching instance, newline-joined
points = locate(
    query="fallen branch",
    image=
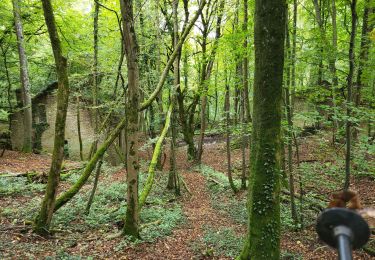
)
(185, 185)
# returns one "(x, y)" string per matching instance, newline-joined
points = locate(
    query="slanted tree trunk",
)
(263, 237)
(25, 82)
(90, 166)
(348, 134)
(96, 180)
(43, 219)
(151, 170)
(131, 226)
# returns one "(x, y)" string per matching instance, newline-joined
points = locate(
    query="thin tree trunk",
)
(96, 180)
(43, 220)
(290, 126)
(25, 82)
(206, 74)
(94, 145)
(227, 128)
(349, 95)
(245, 73)
(263, 237)
(176, 71)
(9, 88)
(332, 65)
(151, 170)
(79, 129)
(131, 226)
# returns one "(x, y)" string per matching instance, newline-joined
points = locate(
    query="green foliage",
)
(363, 158)
(11, 186)
(222, 241)
(170, 216)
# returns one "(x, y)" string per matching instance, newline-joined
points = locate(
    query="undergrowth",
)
(219, 242)
(159, 216)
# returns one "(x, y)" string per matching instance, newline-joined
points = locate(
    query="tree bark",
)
(79, 129)
(289, 117)
(172, 177)
(25, 82)
(131, 226)
(43, 220)
(151, 170)
(348, 134)
(245, 73)
(263, 237)
(95, 78)
(227, 126)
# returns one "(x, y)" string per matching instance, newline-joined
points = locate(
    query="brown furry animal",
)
(345, 199)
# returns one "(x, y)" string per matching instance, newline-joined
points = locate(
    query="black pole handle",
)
(343, 229)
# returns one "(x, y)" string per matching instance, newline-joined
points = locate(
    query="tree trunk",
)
(43, 220)
(289, 117)
(348, 134)
(96, 180)
(367, 27)
(95, 78)
(79, 129)
(25, 82)
(151, 170)
(172, 178)
(131, 226)
(245, 73)
(227, 126)
(207, 65)
(332, 65)
(90, 166)
(263, 237)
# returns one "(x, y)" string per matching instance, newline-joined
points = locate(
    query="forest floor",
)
(209, 223)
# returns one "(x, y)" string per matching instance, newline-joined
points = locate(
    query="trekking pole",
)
(343, 229)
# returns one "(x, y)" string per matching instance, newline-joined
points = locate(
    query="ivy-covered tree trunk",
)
(263, 237)
(43, 220)
(131, 50)
(25, 82)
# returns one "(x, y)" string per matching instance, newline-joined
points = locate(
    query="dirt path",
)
(198, 212)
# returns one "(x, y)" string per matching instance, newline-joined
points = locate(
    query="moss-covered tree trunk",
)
(43, 220)
(172, 180)
(263, 237)
(25, 82)
(131, 226)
